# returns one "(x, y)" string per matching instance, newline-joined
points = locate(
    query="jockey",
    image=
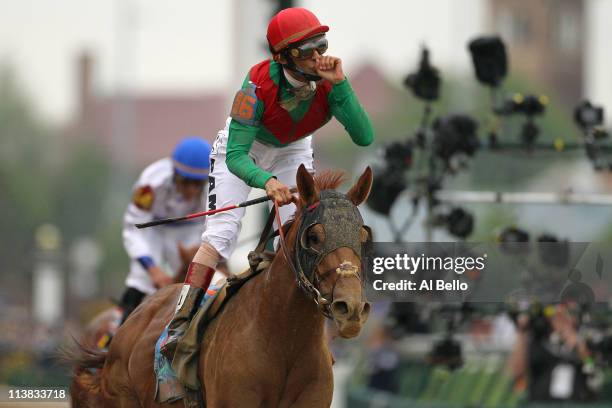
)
(170, 187)
(268, 135)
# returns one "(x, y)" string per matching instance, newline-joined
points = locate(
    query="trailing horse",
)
(104, 325)
(268, 346)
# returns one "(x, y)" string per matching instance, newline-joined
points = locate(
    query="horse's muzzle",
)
(350, 316)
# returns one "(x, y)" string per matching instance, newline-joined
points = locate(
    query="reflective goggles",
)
(307, 49)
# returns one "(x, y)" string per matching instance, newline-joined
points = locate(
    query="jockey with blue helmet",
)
(170, 187)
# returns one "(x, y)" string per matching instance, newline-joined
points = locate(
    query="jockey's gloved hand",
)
(279, 192)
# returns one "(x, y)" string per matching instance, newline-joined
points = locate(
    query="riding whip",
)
(204, 213)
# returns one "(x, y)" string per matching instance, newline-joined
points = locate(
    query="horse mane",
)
(329, 179)
(326, 180)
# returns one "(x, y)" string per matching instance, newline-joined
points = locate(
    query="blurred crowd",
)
(510, 355)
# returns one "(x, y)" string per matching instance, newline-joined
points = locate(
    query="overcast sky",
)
(158, 46)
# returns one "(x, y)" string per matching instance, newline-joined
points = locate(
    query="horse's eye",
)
(313, 238)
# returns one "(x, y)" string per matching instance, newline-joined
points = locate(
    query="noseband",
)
(342, 223)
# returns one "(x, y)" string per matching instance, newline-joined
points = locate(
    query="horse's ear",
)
(309, 193)
(361, 190)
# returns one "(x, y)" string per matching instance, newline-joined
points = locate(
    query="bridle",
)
(336, 210)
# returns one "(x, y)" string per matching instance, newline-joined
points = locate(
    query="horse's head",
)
(328, 248)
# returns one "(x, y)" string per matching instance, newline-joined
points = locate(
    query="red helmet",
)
(291, 25)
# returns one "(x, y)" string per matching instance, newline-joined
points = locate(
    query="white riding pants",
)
(226, 189)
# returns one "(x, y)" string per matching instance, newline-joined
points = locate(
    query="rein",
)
(342, 217)
(303, 283)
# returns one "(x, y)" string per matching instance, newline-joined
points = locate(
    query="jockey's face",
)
(190, 189)
(308, 65)
(306, 53)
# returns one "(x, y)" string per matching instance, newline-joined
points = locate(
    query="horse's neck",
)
(291, 314)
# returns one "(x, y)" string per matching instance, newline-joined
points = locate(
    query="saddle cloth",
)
(168, 386)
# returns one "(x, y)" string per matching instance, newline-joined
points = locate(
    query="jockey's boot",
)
(197, 281)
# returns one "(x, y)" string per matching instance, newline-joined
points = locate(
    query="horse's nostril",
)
(366, 309)
(340, 308)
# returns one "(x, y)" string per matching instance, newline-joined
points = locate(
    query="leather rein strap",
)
(323, 304)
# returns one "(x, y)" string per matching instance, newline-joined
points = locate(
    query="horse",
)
(105, 324)
(268, 346)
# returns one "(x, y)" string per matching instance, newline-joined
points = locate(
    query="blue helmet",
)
(191, 158)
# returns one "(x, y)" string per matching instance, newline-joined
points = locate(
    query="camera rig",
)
(441, 146)
(416, 167)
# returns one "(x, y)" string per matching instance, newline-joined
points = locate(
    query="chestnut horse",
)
(268, 347)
